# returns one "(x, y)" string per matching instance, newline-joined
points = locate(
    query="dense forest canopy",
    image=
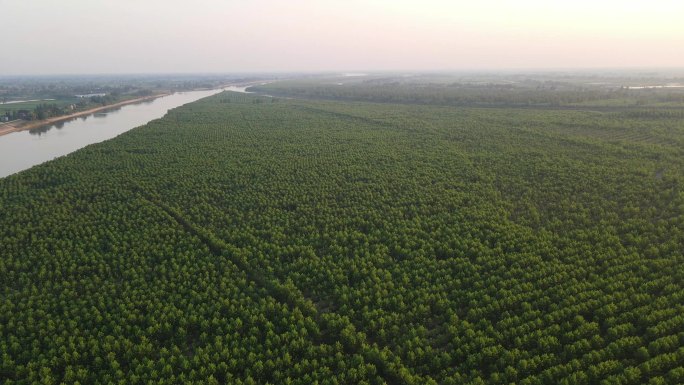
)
(248, 239)
(490, 91)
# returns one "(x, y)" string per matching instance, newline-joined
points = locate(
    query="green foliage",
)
(236, 241)
(525, 93)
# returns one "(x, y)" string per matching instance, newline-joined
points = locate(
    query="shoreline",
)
(9, 128)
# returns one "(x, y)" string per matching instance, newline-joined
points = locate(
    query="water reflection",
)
(41, 130)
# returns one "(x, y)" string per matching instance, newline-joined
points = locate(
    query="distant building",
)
(4, 118)
(24, 114)
(90, 95)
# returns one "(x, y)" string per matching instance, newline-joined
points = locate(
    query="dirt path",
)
(331, 325)
(11, 127)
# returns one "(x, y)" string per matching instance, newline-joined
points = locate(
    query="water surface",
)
(24, 149)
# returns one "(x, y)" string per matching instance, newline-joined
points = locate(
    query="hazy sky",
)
(140, 36)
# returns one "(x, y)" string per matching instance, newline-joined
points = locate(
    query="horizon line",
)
(364, 71)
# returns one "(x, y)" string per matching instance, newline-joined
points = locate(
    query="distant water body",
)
(25, 149)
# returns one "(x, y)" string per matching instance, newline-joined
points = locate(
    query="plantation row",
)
(301, 241)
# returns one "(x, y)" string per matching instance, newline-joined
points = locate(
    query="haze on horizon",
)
(172, 36)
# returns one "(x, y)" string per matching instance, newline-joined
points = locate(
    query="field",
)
(245, 239)
(31, 105)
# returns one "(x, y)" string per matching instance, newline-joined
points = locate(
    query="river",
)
(25, 149)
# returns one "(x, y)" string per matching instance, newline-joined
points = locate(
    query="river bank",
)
(27, 148)
(11, 127)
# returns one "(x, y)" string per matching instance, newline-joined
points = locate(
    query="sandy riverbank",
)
(11, 127)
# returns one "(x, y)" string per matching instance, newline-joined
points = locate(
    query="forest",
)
(536, 91)
(384, 237)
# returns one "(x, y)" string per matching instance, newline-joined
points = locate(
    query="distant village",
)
(90, 95)
(47, 110)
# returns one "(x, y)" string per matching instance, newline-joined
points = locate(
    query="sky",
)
(225, 36)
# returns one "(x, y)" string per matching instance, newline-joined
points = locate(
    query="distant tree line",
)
(49, 110)
(457, 94)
